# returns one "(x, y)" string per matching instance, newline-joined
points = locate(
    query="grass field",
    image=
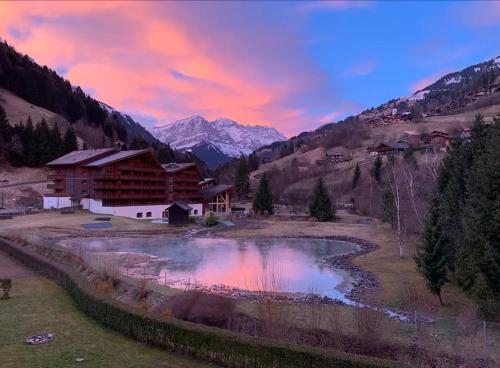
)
(38, 306)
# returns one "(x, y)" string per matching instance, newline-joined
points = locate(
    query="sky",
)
(290, 65)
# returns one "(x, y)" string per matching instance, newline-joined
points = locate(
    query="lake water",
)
(285, 265)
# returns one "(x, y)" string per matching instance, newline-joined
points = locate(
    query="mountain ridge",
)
(230, 138)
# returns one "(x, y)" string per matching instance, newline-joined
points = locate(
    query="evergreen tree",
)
(41, 145)
(5, 131)
(70, 142)
(242, 183)
(431, 258)
(377, 169)
(253, 162)
(388, 208)
(27, 136)
(464, 221)
(138, 143)
(321, 205)
(356, 176)
(263, 201)
(55, 142)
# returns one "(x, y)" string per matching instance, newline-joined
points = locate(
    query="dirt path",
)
(10, 268)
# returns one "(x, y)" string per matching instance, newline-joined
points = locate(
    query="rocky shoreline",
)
(365, 280)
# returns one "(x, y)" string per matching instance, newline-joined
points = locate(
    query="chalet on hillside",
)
(386, 148)
(302, 165)
(440, 139)
(336, 154)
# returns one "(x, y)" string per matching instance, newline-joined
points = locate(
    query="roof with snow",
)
(118, 156)
(177, 166)
(78, 157)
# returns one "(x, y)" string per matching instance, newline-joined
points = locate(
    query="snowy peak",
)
(485, 72)
(230, 137)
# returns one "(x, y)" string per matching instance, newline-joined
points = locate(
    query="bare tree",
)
(432, 162)
(395, 182)
(410, 176)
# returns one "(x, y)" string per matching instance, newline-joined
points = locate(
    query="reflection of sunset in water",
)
(289, 265)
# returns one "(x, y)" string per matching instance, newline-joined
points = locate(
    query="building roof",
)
(206, 180)
(337, 151)
(77, 157)
(214, 190)
(184, 206)
(117, 156)
(394, 145)
(177, 166)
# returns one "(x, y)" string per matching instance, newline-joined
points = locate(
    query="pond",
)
(284, 265)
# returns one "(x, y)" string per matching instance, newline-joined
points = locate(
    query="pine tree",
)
(70, 142)
(263, 201)
(41, 145)
(388, 208)
(377, 169)
(356, 176)
(55, 142)
(321, 205)
(431, 258)
(242, 183)
(5, 130)
(253, 162)
(27, 135)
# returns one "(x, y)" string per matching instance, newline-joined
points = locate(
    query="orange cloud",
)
(172, 60)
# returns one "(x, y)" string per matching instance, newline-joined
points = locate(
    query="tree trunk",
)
(440, 299)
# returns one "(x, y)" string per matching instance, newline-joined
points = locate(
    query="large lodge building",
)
(131, 184)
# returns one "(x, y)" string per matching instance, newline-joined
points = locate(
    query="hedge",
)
(208, 343)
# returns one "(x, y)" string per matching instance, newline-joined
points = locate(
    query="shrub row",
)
(207, 343)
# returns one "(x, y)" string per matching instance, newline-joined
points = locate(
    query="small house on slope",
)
(336, 154)
(386, 148)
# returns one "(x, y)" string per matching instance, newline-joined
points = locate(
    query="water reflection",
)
(294, 264)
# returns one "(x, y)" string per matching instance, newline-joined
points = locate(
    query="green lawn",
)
(38, 306)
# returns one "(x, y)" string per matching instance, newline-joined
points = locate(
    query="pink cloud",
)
(424, 82)
(361, 69)
(334, 5)
(171, 60)
(479, 13)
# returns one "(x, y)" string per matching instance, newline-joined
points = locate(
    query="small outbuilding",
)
(178, 214)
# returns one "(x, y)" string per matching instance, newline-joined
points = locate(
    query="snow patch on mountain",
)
(452, 80)
(227, 135)
(420, 95)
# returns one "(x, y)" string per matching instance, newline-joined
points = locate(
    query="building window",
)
(139, 214)
(148, 214)
(195, 212)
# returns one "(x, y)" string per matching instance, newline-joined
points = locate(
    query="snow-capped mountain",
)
(221, 135)
(456, 80)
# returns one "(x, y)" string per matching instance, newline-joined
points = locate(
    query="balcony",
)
(55, 186)
(128, 196)
(55, 177)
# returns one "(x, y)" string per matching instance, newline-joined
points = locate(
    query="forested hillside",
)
(92, 124)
